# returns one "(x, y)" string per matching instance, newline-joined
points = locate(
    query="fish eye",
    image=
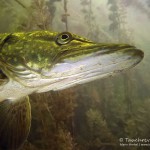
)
(63, 38)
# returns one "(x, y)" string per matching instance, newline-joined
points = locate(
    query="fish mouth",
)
(101, 63)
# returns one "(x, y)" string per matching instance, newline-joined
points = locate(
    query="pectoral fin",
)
(15, 120)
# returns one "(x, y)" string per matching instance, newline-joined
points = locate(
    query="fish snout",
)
(133, 53)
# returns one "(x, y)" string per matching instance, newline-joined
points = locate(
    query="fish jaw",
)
(99, 64)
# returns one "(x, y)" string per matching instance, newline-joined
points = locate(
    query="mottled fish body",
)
(40, 61)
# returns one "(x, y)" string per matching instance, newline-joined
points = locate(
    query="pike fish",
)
(40, 61)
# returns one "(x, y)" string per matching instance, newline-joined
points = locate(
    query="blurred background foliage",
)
(92, 116)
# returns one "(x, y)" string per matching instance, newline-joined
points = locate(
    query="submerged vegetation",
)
(96, 115)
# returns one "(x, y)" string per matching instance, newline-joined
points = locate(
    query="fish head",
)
(56, 61)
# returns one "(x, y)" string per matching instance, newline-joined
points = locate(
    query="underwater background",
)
(103, 114)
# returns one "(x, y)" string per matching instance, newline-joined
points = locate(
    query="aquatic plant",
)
(64, 18)
(139, 5)
(87, 10)
(119, 28)
(52, 121)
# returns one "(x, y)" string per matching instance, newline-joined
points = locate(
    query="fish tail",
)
(15, 121)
